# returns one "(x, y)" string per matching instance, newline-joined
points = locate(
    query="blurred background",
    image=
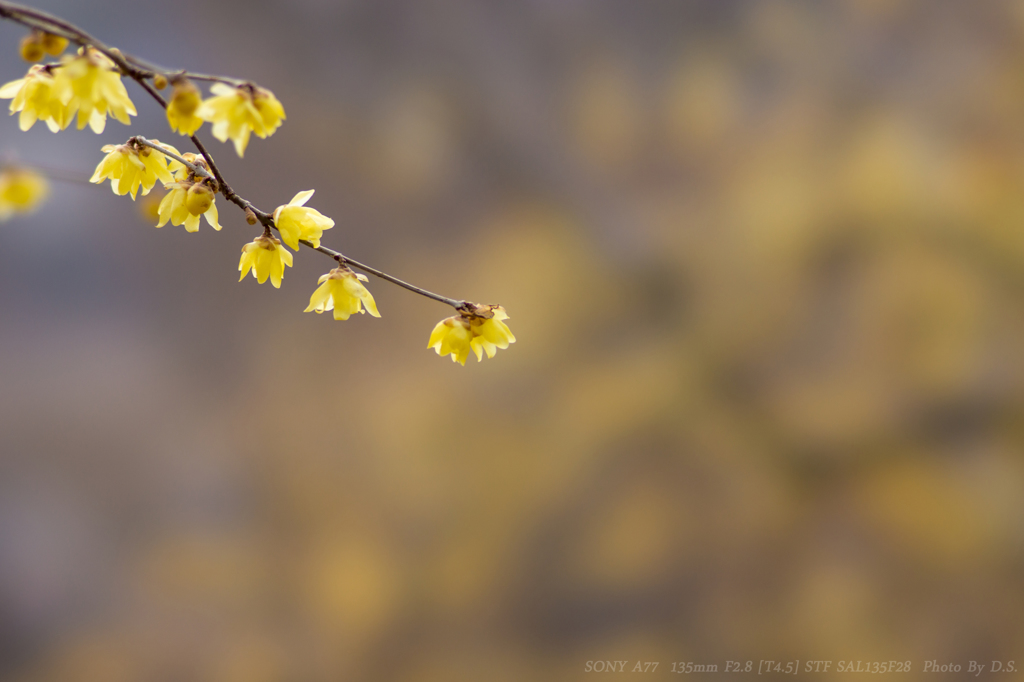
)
(765, 263)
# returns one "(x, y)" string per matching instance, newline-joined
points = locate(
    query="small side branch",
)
(194, 167)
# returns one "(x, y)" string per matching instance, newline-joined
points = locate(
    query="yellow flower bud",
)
(54, 45)
(181, 109)
(185, 98)
(174, 208)
(199, 199)
(159, 81)
(32, 48)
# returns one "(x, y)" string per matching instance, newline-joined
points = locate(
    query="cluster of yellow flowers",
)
(185, 202)
(480, 329)
(265, 257)
(189, 196)
(132, 165)
(21, 191)
(235, 111)
(89, 85)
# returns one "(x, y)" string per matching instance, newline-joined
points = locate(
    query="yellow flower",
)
(342, 290)
(480, 330)
(296, 222)
(176, 207)
(452, 336)
(21, 191)
(37, 97)
(91, 85)
(181, 109)
(492, 333)
(236, 112)
(129, 167)
(266, 258)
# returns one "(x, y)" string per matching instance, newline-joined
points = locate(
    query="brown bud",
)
(250, 217)
(32, 48)
(54, 45)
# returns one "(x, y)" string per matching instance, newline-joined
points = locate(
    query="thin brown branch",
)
(172, 74)
(341, 258)
(141, 71)
(194, 167)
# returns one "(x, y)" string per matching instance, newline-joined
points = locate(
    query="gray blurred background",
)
(765, 262)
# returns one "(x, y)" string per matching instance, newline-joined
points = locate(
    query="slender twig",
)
(35, 18)
(206, 77)
(171, 74)
(194, 167)
(341, 258)
(141, 71)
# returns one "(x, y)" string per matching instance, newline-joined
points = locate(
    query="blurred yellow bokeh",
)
(765, 265)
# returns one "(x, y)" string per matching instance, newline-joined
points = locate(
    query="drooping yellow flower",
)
(266, 258)
(179, 208)
(38, 97)
(479, 329)
(492, 333)
(452, 336)
(181, 109)
(342, 290)
(237, 111)
(90, 84)
(296, 222)
(130, 167)
(21, 191)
